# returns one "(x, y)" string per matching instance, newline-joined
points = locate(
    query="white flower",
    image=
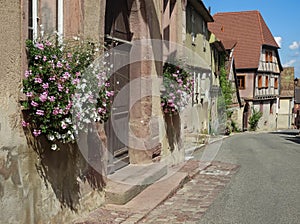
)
(50, 137)
(68, 120)
(54, 147)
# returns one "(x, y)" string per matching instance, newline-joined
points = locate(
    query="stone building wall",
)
(33, 189)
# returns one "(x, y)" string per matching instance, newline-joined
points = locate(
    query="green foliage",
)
(225, 85)
(254, 119)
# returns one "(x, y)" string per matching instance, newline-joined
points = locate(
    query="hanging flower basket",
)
(178, 88)
(65, 92)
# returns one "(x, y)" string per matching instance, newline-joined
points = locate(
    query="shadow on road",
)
(290, 135)
(292, 132)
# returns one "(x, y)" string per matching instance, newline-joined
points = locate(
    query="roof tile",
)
(249, 30)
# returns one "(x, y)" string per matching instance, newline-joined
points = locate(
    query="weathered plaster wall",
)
(12, 143)
(285, 116)
(24, 197)
(249, 85)
(268, 120)
(94, 18)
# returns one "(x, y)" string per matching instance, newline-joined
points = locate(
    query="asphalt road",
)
(266, 189)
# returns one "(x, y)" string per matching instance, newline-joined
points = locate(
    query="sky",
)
(282, 18)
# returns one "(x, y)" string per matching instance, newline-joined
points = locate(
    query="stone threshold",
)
(126, 183)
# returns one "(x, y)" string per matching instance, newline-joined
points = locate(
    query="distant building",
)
(257, 62)
(285, 106)
(296, 110)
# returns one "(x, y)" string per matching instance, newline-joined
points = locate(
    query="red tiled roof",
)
(249, 30)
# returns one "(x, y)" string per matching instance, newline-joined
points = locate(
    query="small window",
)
(267, 82)
(268, 56)
(259, 81)
(241, 82)
(44, 17)
(276, 83)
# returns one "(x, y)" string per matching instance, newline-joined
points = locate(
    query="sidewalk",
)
(185, 194)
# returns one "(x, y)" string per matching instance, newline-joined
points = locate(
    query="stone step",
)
(126, 183)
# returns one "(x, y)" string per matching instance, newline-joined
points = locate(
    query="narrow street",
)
(265, 188)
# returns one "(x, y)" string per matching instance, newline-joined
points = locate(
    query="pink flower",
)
(45, 85)
(44, 96)
(44, 58)
(55, 111)
(174, 75)
(66, 75)
(40, 46)
(24, 123)
(38, 80)
(40, 112)
(109, 93)
(107, 84)
(27, 73)
(52, 78)
(48, 43)
(51, 98)
(63, 125)
(69, 55)
(75, 81)
(60, 87)
(59, 64)
(29, 94)
(36, 132)
(34, 104)
(179, 81)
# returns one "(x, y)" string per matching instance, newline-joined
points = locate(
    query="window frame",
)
(268, 56)
(34, 11)
(243, 79)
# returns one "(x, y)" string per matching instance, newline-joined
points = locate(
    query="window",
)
(44, 16)
(241, 82)
(268, 56)
(32, 19)
(271, 107)
(267, 82)
(259, 81)
(276, 83)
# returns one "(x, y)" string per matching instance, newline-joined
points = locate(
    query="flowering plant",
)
(178, 88)
(65, 92)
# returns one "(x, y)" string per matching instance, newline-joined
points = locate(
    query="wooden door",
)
(118, 36)
(117, 126)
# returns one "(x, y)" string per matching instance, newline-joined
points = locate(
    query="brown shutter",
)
(267, 82)
(259, 81)
(276, 83)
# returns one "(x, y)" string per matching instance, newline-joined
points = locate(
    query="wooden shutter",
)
(259, 81)
(276, 83)
(267, 82)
